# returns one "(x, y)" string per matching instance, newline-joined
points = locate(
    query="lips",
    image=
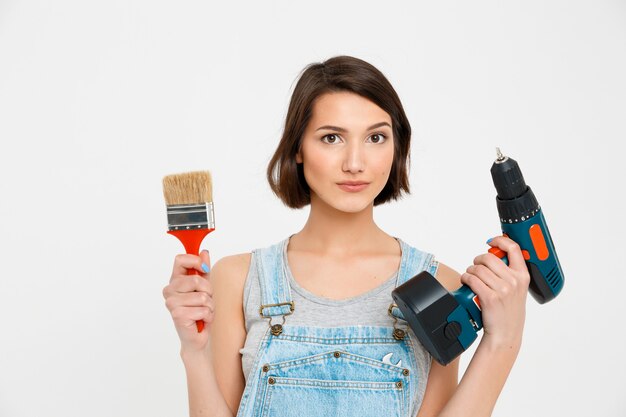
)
(353, 186)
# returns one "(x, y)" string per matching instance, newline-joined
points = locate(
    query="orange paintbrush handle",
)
(191, 240)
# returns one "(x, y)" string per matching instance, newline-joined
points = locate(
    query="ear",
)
(298, 157)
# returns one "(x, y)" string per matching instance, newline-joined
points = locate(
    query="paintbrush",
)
(188, 197)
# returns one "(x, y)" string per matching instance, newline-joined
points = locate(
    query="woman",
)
(306, 326)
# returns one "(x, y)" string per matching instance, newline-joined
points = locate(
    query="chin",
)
(347, 203)
(351, 209)
(353, 206)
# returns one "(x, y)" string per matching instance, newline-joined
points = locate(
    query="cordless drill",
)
(448, 323)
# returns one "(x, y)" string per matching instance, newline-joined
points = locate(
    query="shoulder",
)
(233, 263)
(230, 272)
(448, 277)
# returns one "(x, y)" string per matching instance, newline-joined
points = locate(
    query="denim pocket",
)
(336, 383)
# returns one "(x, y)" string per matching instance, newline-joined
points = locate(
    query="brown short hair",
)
(339, 73)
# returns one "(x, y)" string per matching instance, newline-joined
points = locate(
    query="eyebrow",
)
(341, 129)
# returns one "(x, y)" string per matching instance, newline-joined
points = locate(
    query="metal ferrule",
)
(190, 216)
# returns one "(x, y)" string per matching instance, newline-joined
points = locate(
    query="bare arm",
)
(502, 291)
(212, 361)
(205, 397)
(228, 333)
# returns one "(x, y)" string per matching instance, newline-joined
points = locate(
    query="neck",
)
(333, 232)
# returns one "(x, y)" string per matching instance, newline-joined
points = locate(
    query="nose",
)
(353, 159)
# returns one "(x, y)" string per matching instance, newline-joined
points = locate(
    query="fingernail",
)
(205, 268)
(489, 240)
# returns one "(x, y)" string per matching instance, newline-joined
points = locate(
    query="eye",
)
(378, 138)
(331, 138)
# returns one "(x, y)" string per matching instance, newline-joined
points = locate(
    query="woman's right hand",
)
(189, 298)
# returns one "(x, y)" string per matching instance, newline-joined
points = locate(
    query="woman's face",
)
(348, 139)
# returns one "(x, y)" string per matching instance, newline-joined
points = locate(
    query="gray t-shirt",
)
(368, 309)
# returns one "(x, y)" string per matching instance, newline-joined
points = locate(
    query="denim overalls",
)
(310, 371)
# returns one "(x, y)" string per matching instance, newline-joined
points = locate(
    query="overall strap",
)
(415, 261)
(275, 292)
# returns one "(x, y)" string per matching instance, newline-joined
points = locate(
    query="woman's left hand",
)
(502, 291)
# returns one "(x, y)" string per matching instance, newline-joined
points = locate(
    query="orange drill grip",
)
(191, 240)
(497, 251)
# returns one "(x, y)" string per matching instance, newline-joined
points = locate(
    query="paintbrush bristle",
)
(188, 188)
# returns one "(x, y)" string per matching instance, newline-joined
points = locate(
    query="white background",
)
(100, 100)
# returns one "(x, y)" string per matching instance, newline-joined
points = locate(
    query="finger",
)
(495, 264)
(486, 275)
(189, 299)
(189, 315)
(499, 268)
(513, 251)
(185, 261)
(189, 283)
(477, 285)
(206, 259)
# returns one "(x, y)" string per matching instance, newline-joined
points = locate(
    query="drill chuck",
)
(515, 200)
(507, 177)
